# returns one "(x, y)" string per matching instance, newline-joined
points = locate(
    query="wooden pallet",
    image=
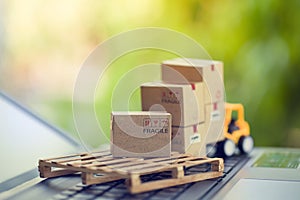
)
(101, 167)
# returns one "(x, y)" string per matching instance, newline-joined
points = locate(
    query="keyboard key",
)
(84, 195)
(111, 195)
(77, 188)
(118, 191)
(195, 190)
(93, 192)
(78, 198)
(100, 187)
(144, 195)
(159, 198)
(166, 194)
(173, 189)
(132, 198)
(227, 169)
(60, 197)
(105, 198)
(230, 163)
(121, 187)
(69, 192)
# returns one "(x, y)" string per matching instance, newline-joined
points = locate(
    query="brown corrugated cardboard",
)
(140, 134)
(214, 122)
(187, 70)
(189, 139)
(183, 101)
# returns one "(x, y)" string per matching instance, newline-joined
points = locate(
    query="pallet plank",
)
(91, 178)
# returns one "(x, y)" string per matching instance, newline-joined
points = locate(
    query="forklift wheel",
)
(246, 144)
(227, 148)
(211, 150)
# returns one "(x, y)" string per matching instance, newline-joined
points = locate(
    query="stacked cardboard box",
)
(189, 139)
(210, 73)
(140, 134)
(184, 101)
(214, 122)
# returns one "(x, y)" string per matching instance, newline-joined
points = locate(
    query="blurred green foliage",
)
(258, 41)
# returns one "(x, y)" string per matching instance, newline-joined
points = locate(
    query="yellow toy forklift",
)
(236, 133)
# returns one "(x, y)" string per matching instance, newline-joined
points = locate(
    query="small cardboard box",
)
(140, 134)
(214, 122)
(187, 70)
(189, 140)
(183, 101)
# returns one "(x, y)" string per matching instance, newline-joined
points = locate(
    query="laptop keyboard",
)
(118, 190)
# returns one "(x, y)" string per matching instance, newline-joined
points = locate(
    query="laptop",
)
(267, 173)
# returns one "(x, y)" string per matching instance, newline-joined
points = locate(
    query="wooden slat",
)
(90, 178)
(164, 164)
(75, 155)
(80, 163)
(81, 157)
(124, 164)
(175, 156)
(113, 162)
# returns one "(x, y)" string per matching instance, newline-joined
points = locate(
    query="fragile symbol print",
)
(160, 125)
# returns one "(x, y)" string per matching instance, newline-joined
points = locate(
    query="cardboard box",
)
(183, 101)
(189, 140)
(140, 134)
(187, 70)
(214, 122)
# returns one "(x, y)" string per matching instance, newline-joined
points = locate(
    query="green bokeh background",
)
(43, 45)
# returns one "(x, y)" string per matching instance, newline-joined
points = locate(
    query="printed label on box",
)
(195, 138)
(171, 97)
(156, 125)
(215, 115)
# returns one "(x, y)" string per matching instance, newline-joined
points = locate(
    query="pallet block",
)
(101, 167)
